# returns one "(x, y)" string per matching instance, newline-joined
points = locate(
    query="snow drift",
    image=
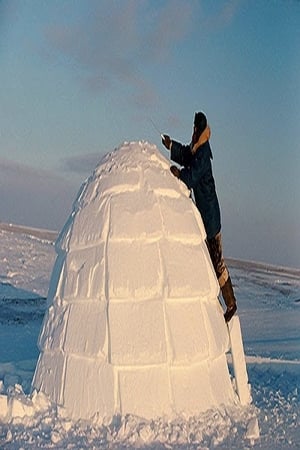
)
(133, 325)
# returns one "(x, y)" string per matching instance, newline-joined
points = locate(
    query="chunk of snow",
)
(238, 358)
(252, 432)
(3, 406)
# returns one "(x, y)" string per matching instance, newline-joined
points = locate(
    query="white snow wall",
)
(133, 322)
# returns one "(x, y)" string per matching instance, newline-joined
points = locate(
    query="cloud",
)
(81, 164)
(34, 197)
(170, 25)
(15, 173)
(112, 42)
(223, 17)
(229, 11)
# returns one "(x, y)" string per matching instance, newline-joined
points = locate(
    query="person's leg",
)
(215, 250)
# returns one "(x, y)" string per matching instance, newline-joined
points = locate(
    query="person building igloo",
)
(134, 324)
(197, 175)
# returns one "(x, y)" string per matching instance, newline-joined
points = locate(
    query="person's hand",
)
(166, 140)
(175, 171)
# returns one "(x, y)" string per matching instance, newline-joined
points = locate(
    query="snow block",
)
(133, 215)
(188, 336)
(238, 359)
(191, 387)
(145, 392)
(84, 274)
(53, 331)
(87, 388)
(113, 182)
(185, 279)
(133, 325)
(3, 406)
(134, 270)
(91, 225)
(216, 330)
(93, 342)
(157, 179)
(179, 220)
(19, 408)
(49, 375)
(220, 386)
(134, 338)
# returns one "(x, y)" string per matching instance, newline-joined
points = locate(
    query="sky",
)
(80, 77)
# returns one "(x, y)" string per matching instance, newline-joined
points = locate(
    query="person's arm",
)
(181, 154)
(192, 175)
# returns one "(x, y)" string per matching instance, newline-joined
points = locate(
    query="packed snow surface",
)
(134, 325)
(269, 302)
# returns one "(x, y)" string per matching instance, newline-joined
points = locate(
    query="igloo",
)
(133, 324)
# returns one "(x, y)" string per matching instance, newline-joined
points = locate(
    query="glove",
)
(175, 171)
(166, 140)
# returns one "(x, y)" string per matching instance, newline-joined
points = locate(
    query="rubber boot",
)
(229, 299)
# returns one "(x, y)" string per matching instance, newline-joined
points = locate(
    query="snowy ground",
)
(269, 310)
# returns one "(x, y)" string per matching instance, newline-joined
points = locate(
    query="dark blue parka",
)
(197, 175)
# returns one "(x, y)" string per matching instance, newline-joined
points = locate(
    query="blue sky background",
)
(79, 77)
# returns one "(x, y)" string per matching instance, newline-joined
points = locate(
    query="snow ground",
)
(269, 310)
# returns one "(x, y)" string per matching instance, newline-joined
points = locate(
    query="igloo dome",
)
(133, 325)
